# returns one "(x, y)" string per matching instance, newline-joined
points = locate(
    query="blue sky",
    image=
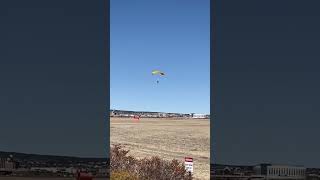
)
(168, 35)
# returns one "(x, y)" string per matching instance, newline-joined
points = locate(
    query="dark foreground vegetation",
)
(126, 167)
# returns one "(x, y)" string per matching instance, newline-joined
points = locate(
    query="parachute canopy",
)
(157, 72)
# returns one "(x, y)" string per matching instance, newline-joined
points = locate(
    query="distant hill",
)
(50, 158)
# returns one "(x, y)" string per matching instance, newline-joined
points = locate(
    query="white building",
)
(199, 116)
(7, 164)
(273, 172)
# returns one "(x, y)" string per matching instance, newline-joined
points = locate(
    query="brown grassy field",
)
(167, 138)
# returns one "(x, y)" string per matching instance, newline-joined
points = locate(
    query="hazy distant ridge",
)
(39, 157)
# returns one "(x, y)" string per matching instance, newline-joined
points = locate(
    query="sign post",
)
(188, 163)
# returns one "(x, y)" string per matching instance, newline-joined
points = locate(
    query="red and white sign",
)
(188, 163)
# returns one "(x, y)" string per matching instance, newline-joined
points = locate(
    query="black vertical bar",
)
(212, 77)
(107, 76)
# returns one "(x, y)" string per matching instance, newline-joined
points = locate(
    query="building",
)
(262, 172)
(7, 166)
(272, 172)
(7, 163)
(199, 116)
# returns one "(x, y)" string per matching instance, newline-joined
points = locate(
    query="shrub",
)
(156, 168)
(120, 161)
(123, 175)
(153, 168)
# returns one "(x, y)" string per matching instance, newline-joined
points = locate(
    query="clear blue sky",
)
(169, 35)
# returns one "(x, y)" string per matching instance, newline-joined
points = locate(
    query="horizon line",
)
(158, 111)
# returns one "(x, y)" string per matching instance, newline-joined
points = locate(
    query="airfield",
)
(168, 138)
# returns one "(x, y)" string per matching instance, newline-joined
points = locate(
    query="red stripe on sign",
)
(187, 159)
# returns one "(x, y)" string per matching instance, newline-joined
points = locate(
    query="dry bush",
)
(123, 175)
(156, 168)
(153, 168)
(120, 161)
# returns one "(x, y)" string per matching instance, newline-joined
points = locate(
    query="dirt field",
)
(167, 138)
